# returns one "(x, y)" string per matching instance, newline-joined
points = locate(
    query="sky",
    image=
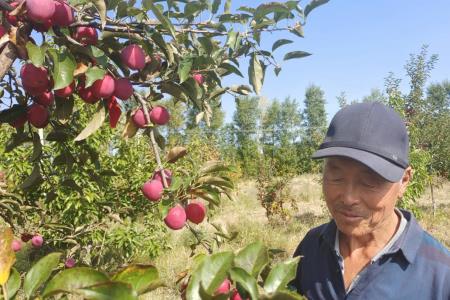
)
(355, 44)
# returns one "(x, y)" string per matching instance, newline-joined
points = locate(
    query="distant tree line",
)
(282, 134)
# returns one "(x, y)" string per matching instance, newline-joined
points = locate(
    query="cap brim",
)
(389, 171)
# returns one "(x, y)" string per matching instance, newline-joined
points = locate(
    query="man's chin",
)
(351, 228)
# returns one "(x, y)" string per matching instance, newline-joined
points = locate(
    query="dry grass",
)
(248, 218)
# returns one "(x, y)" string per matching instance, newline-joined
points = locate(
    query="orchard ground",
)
(248, 218)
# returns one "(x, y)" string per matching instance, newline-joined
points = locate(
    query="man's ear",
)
(407, 176)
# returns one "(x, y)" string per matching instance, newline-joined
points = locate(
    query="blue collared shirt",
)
(415, 267)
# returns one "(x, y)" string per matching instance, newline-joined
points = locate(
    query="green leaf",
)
(253, 258)
(165, 22)
(142, 278)
(215, 270)
(13, 284)
(227, 7)
(296, 54)
(184, 68)
(215, 180)
(215, 6)
(93, 74)
(73, 279)
(232, 39)
(241, 89)
(213, 166)
(173, 89)
(217, 93)
(101, 8)
(313, 4)
(35, 178)
(280, 43)
(40, 273)
(281, 275)
(159, 40)
(11, 114)
(17, 140)
(175, 154)
(36, 53)
(256, 73)
(193, 9)
(297, 30)
(7, 255)
(108, 291)
(193, 288)
(267, 8)
(64, 109)
(206, 43)
(277, 70)
(37, 147)
(112, 4)
(63, 67)
(231, 69)
(96, 122)
(246, 280)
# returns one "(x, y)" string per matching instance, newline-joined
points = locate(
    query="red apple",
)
(159, 115)
(104, 88)
(153, 190)
(235, 295)
(42, 27)
(34, 77)
(86, 35)
(86, 93)
(70, 263)
(139, 118)
(45, 99)
(63, 15)
(37, 241)
(196, 212)
(198, 78)
(65, 92)
(224, 288)
(133, 57)
(38, 115)
(40, 10)
(16, 245)
(176, 218)
(123, 88)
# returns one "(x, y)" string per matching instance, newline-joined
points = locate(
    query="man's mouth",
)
(350, 216)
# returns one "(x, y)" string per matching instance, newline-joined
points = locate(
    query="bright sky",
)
(355, 44)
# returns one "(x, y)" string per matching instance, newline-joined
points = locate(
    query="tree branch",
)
(7, 57)
(152, 139)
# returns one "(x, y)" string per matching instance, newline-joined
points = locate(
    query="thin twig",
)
(152, 139)
(195, 233)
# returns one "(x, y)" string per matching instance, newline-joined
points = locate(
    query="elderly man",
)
(370, 249)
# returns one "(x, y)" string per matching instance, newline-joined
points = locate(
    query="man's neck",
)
(371, 242)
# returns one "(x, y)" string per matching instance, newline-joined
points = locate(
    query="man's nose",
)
(350, 195)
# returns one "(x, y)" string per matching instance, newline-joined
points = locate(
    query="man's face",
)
(359, 200)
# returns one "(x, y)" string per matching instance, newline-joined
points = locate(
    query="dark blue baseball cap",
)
(372, 134)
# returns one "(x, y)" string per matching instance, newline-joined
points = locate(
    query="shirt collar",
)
(408, 242)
